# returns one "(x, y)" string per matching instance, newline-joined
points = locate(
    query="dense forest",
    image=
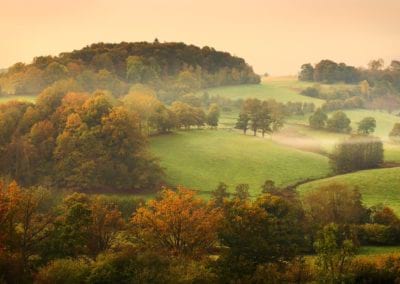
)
(172, 68)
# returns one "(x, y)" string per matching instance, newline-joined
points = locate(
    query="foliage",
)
(367, 125)
(76, 140)
(395, 133)
(266, 116)
(174, 68)
(318, 119)
(263, 231)
(334, 254)
(339, 122)
(178, 223)
(357, 153)
(335, 203)
(67, 271)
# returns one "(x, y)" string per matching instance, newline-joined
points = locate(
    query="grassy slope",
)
(377, 186)
(280, 90)
(201, 159)
(17, 98)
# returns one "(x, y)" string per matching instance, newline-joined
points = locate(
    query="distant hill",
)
(171, 67)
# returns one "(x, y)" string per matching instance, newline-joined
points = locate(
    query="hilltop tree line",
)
(378, 87)
(87, 239)
(172, 69)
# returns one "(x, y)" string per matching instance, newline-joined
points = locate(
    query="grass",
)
(375, 250)
(378, 186)
(282, 92)
(17, 98)
(200, 159)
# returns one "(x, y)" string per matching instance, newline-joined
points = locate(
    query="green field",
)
(200, 159)
(375, 250)
(379, 186)
(282, 91)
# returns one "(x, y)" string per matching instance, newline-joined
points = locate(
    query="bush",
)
(310, 92)
(129, 267)
(68, 271)
(378, 269)
(376, 234)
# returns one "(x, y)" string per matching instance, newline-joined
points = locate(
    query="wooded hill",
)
(172, 67)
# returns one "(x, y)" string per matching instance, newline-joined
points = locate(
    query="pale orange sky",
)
(274, 36)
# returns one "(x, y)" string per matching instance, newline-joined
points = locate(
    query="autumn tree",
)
(142, 101)
(178, 223)
(106, 223)
(335, 203)
(213, 115)
(334, 254)
(220, 194)
(257, 232)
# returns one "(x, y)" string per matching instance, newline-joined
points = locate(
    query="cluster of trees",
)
(330, 72)
(339, 122)
(266, 116)
(87, 141)
(87, 239)
(357, 153)
(172, 68)
(72, 139)
(157, 118)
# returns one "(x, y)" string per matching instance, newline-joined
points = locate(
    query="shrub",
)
(68, 271)
(376, 234)
(378, 269)
(129, 266)
(310, 92)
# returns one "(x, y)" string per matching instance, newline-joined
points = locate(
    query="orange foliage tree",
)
(178, 223)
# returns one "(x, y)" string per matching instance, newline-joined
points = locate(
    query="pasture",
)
(200, 159)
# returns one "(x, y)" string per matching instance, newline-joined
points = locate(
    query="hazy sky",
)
(274, 36)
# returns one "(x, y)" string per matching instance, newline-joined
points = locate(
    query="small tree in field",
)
(318, 119)
(339, 122)
(367, 125)
(243, 122)
(357, 153)
(395, 133)
(213, 115)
